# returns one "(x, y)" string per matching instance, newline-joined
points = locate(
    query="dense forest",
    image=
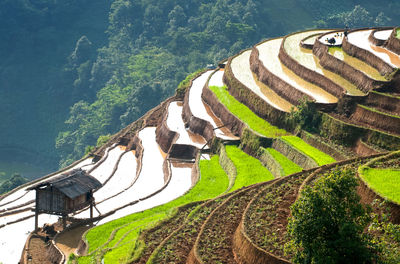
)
(71, 71)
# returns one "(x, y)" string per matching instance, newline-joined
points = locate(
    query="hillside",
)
(210, 174)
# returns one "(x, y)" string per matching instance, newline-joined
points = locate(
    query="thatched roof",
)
(72, 184)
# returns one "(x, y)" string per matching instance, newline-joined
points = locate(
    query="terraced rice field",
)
(383, 34)
(245, 114)
(175, 123)
(212, 183)
(249, 169)
(320, 157)
(360, 39)
(269, 51)
(202, 111)
(383, 176)
(288, 166)
(308, 60)
(241, 70)
(357, 64)
(311, 39)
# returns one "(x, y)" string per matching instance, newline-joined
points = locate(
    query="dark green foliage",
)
(327, 222)
(306, 116)
(15, 181)
(385, 235)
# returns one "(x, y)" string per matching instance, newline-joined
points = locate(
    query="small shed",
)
(65, 194)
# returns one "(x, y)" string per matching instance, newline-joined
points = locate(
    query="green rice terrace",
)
(229, 169)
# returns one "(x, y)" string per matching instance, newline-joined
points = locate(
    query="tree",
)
(327, 222)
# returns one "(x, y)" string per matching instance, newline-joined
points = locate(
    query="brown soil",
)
(214, 244)
(153, 237)
(37, 250)
(68, 242)
(218, 121)
(177, 246)
(270, 210)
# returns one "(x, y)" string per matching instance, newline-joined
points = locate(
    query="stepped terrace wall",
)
(293, 154)
(348, 134)
(384, 101)
(195, 124)
(230, 120)
(333, 64)
(250, 99)
(307, 74)
(164, 136)
(393, 43)
(368, 195)
(283, 89)
(366, 56)
(377, 119)
(375, 41)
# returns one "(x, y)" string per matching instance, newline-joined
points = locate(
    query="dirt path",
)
(68, 241)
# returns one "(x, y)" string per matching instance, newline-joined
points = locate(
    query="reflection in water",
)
(351, 89)
(306, 58)
(356, 63)
(268, 92)
(394, 58)
(313, 89)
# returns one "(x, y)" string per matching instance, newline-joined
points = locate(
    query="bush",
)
(327, 222)
(305, 117)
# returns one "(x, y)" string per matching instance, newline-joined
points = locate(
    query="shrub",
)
(327, 222)
(305, 117)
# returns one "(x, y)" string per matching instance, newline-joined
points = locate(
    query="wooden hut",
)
(65, 194)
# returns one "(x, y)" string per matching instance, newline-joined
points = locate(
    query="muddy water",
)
(241, 69)
(175, 123)
(269, 56)
(151, 177)
(105, 169)
(311, 40)
(356, 63)
(13, 237)
(383, 34)
(122, 178)
(394, 58)
(360, 39)
(307, 59)
(200, 109)
(180, 183)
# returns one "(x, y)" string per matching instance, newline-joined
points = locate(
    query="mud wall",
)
(195, 124)
(338, 131)
(282, 88)
(251, 99)
(363, 149)
(251, 141)
(293, 154)
(231, 121)
(305, 45)
(382, 101)
(195, 176)
(376, 119)
(183, 152)
(307, 74)
(393, 43)
(366, 56)
(164, 136)
(348, 134)
(368, 195)
(228, 166)
(324, 147)
(333, 64)
(270, 163)
(375, 41)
